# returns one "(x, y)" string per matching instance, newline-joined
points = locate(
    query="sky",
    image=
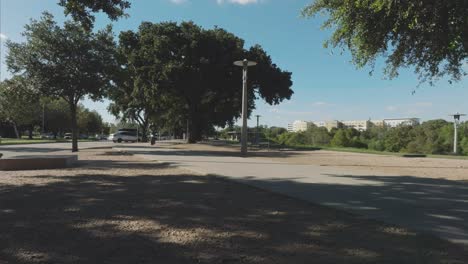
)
(326, 84)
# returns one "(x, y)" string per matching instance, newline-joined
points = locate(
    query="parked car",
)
(122, 136)
(47, 136)
(101, 137)
(68, 136)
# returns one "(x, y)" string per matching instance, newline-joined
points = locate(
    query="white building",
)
(361, 125)
(401, 122)
(299, 126)
(329, 125)
(320, 123)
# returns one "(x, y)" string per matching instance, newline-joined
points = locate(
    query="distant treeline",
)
(430, 137)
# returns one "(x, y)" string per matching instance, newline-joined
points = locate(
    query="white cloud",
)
(239, 2)
(320, 103)
(3, 36)
(423, 104)
(391, 108)
(179, 2)
(410, 109)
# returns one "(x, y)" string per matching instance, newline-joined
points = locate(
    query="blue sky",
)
(326, 85)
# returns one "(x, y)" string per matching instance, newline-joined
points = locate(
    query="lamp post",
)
(456, 118)
(245, 64)
(256, 134)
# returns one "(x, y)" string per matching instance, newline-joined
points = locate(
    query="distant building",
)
(300, 126)
(401, 122)
(329, 125)
(361, 125)
(333, 124)
(378, 123)
(320, 123)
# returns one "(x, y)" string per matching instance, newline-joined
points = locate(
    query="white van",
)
(122, 136)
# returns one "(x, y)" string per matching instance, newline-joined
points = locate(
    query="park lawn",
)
(399, 154)
(370, 151)
(16, 141)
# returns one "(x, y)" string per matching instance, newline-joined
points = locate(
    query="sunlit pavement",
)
(436, 206)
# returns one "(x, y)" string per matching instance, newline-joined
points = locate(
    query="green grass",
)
(16, 141)
(367, 151)
(370, 151)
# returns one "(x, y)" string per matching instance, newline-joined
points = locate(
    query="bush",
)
(413, 147)
(464, 146)
(376, 144)
(340, 139)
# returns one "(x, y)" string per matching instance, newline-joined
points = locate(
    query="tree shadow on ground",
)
(80, 217)
(437, 206)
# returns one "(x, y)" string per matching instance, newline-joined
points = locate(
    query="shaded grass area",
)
(102, 215)
(15, 141)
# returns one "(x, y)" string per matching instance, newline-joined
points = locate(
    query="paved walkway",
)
(46, 148)
(432, 205)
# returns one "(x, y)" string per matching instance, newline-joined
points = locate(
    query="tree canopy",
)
(81, 10)
(66, 62)
(19, 103)
(187, 72)
(431, 36)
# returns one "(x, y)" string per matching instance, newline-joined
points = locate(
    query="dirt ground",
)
(116, 208)
(437, 168)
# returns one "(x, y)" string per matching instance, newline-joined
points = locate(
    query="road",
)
(46, 148)
(435, 206)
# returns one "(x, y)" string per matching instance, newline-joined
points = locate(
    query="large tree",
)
(57, 118)
(19, 104)
(81, 10)
(66, 62)
(89, 122)
(431, 36)
(190, 72)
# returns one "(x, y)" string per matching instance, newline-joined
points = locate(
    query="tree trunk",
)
(74, 127)
(31, 132)
(144, 128)
(144, 132)
(16, 130)
(193, 133)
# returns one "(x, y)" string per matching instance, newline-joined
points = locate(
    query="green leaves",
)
(81, 10)
(67, 62)
(429, 36)
(187, 72)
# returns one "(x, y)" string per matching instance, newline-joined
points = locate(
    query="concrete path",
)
(432, 205)
(46, 148)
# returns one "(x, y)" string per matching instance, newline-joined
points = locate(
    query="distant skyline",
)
(326, 85)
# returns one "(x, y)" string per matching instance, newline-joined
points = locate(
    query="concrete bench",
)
(38, 162)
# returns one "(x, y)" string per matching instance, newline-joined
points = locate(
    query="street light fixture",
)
(456, 118)
(245, 64)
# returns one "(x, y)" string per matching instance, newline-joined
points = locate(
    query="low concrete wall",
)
(38, 162)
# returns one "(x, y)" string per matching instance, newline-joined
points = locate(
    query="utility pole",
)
(245, 64)
(43, 118)
(456, 119)
(257, 130)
